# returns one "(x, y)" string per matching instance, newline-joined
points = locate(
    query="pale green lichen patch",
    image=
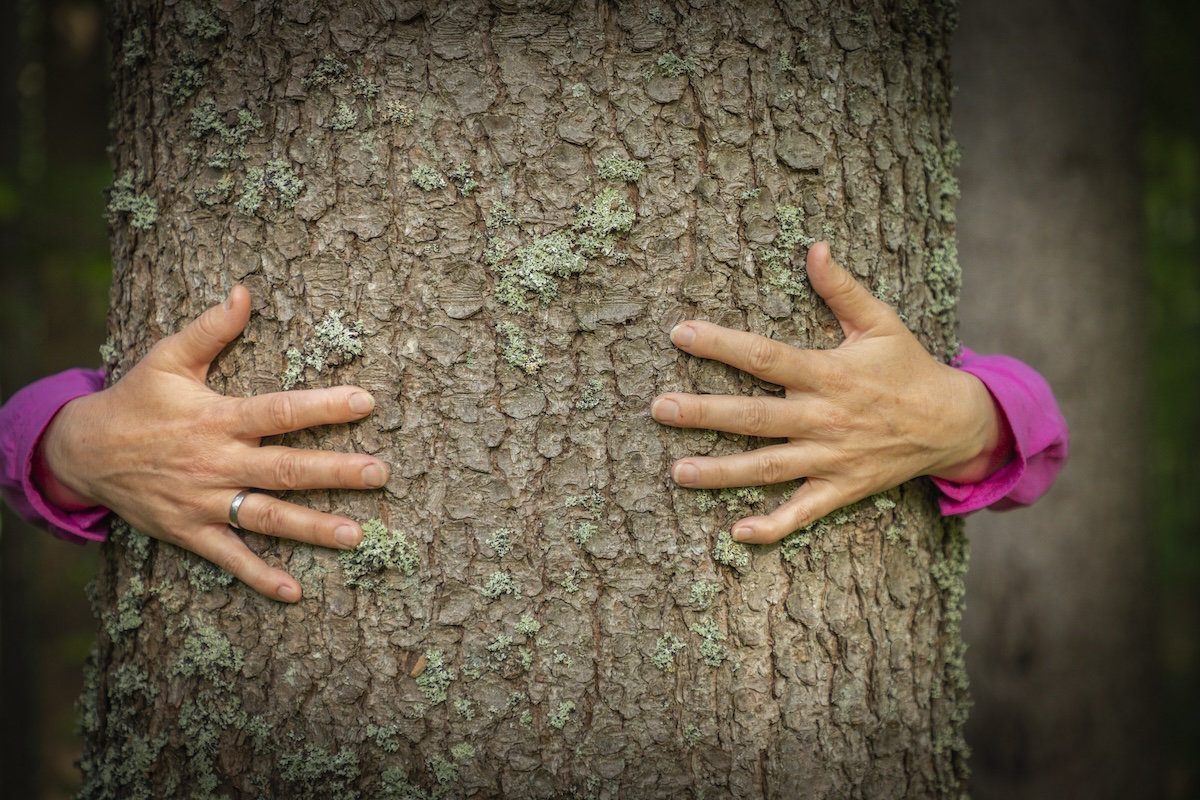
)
(501, 215)
(333, 342)
(200, 23)
(394, 785)
(583, 532)
(108, 351)
(140, 209)
(463, 707)
(277, 180)
(209, 196)
(795, 542)
(499, 584)
(528, 626)
(703, 594)
(501, 541)
(537, 268)
(592, 503)
(940, 164)
(436, 678)
(386, 736)
(570, 581)
(943, 276)
(729, 552)
(776, 260)
(672, 66)
(365, 87)
(344, 118)
(560, 716)
(616, 168)
(712, 652)
(462, 751)
(133, 49)
(464, 178)
(599, 222)
(185, 78)
(883, 502)
(205, 576)
(317, 774)
(442, 770)
(591, 396)
(428, 178)
(327, 71)
(208, 654)
(398, 113)
(516, 349)
(381, 551)
(664, 652)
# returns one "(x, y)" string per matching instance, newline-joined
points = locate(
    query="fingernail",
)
(374, 476)
(361, 403)
(346, 536)
(686, 474)
(742, 532)
(665, 410)
(288, 593)
(229, 301)
(683, 335)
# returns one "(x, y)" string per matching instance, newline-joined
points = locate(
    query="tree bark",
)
(539, 615)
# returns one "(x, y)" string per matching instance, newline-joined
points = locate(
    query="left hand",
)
(860, 419)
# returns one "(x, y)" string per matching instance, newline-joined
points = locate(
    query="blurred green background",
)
(54, 274)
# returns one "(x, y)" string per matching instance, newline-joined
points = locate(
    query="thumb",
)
(194, 348)
(856, 309)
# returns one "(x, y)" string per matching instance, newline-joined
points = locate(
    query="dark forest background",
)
(54, 273)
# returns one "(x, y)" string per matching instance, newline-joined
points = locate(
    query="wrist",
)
(987, 442)
(50, 460)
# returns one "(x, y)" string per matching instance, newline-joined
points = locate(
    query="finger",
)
(856, 309)
(193, 349)
(814, 499)
(288, 468)
(283, 412)
(223, 547)
(770, 417)
(273, 517)
(761, 467)
(768, 359)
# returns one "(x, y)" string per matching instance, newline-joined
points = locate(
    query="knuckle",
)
(271, 519)
(232, 562)
(281, 412)
(762, 355)
(770, 468)
(286, 471)
(756, 417)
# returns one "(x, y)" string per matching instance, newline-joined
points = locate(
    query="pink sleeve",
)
(1039, 438)
(23, 420)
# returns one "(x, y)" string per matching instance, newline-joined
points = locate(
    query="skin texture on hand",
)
(168, 454)
(859, 419)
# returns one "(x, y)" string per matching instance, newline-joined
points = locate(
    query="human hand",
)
(862, 418)
(168, 454)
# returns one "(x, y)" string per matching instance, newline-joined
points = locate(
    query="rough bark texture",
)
(1061, 623)
(514, 314)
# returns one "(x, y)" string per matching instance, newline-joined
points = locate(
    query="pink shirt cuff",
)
(23, 421)
(1040, 438)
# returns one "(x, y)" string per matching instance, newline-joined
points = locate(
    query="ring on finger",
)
(236, 506)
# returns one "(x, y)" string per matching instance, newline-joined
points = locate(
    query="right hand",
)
(168, 455)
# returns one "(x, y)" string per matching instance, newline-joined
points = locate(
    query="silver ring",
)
(236, 506)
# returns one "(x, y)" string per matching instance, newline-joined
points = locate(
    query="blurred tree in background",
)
(54, 273)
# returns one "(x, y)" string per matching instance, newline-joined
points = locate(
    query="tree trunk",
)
(518, 201)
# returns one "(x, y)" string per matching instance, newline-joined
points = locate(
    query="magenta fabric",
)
(1039, 434)
(23, 420)
(1040, 438)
